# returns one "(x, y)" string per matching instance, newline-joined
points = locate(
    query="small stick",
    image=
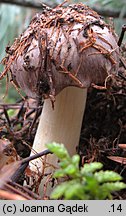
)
(122, 35)
(33, 157)
(37, 114)
(15, 106)
(11, 196)
(20, 110)
(16, 191)
(26, 190)
(24, 164)
(7, 116)
(7, 84)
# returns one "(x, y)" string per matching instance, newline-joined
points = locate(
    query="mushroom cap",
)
(63, 47)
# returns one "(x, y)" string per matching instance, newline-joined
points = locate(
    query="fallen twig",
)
(24, 163)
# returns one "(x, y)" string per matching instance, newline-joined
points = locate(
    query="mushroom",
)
(63, 52)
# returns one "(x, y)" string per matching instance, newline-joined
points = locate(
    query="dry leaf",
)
(7, 171)
(122, 146)
(121, 160)
(3, 144)
(8, 153)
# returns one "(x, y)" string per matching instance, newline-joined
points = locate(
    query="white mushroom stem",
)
(62, 125)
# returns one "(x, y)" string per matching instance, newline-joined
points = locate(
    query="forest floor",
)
(103, 133)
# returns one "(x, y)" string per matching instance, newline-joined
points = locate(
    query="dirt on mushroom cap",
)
(62, 47)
